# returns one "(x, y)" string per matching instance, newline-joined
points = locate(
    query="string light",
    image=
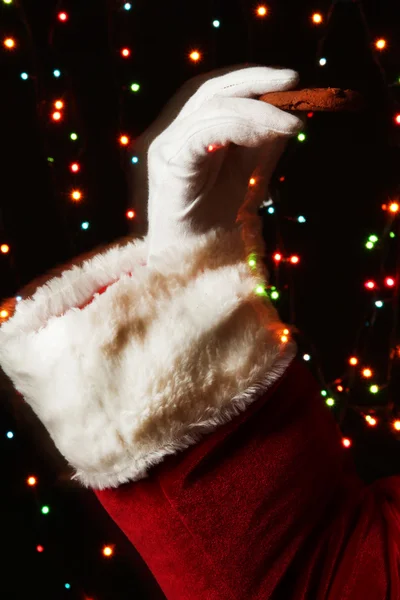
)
(76, 195)
(397, 119)
(135, 87)
(322, 62)
(330, 402)
(317, 18)
(7, 1)
(9, 435)
(57, 73)
(216, 23)
(4, 314)
(45, 510)
(277, 257)
(262, 11)
(380, 44)
(58, 104)
(24, 76)
(274, 295)
(294, 260)
(378, 303)
(370, 285)
(301, 219)
(108, 551)
(371, 420)
(124, 140)
(9, 43)
(389, 281)
(73, 137)
(367, 373)
(301, 137)
(74, 167)
(346, 442)
(62, 16)
(394, 207)
(125, 52)
(127, 6)
(306, 357)
(56, 116)
(4, 248)
(396, 425)
(131, 215)
(374, 389)
(195, 56)
(31, 481)
(39, 548)
(85, 225)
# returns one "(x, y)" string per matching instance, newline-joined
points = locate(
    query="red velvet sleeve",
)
(268, 506)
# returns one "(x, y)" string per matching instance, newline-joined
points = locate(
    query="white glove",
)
(193, 189)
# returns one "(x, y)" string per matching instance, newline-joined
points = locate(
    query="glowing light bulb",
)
(394, 207)
(367, 372)
(397, 119)
(346, 442)
(107, 551)
(274, 295)
(301, 219)
(45, 510)
(262, 11)
(124, 140)
(134, 160)
(286, 331)
(252, 181)
(125, 52)
(74, 167)
(271, 210)
(380, 44)
(73, 137)
(374, 389)
(4, 248)
(3, 314)
(370, 285)
(62, 16)
(59, 104)
(131, 214)
(284, 339)
(216, 23)
(322, 62)
(76, 195)
(330, 401)
(301, 137)
(324, 393)
(396, 425)
(24, 76)
(135, 87)
(306, 357)
(127, 6)
(277, 256)
(260, 290)
(371, 420)
(39, 548)
(389, 281)
(57, 73)
(317, 18)
(294, 260)
(9, 43)
(7, 1)
(195, 56)
(85, 225)
(10, 435)
(378, 303)
(373, 238)
(31, 481)
(56, 116)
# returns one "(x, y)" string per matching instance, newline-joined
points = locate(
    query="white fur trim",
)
(161, 358)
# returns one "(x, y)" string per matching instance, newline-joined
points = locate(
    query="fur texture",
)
(162, 356)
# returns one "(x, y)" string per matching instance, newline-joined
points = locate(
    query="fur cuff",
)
(163, 355)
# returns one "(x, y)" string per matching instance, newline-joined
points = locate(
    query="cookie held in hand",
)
(315, 99)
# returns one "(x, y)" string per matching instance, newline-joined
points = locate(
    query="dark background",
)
(337, 179)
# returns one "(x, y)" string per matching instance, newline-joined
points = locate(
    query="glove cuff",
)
(125, 363)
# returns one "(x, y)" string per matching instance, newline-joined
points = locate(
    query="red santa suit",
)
(169, 390)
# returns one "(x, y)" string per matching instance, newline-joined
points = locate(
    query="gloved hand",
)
(199, 167)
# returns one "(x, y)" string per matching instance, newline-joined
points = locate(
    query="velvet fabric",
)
(267, 506)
